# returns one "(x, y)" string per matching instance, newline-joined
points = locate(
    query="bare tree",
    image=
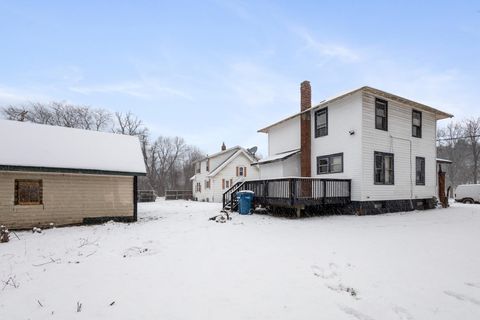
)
(170, 153)
(449, 144)
(60, 114)
(472, 134)
(168, 160)
(128, 124)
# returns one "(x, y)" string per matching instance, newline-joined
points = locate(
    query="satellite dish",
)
(252, 150)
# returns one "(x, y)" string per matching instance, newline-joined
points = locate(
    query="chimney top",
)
(305, 95)
(224, 147)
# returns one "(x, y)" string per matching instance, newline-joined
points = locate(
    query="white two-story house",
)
(218, 172)
(382, 145)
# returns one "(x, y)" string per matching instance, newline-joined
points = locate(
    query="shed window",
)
(28, 192)
(321, 123)
(416, 124)
(420, 171)
(381, 114)
(384, 169)
(330, 164)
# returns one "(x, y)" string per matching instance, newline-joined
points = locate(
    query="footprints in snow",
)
(332, 280)
(402, 313)
(462, 297)
(331, 274)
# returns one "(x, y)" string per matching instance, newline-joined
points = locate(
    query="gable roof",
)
(218, 154)
(438, 113)
(37, 147)
(230, 159)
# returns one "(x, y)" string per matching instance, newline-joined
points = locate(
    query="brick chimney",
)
(305, 130)
(224, 147)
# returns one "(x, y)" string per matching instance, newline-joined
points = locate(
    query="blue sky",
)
(218, 70)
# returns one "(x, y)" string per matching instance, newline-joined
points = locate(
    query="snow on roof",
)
(440, 160)
(438, 113)
(278, 157)
(27, 144)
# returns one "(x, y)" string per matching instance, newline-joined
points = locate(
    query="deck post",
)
(299, 212)
(291, 183)
(324, 191)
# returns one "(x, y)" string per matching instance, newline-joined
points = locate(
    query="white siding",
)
(399, 141)
(215, 192)
(343, 116)
(284, 136)
(271, 170)
(230, 172)
(289, 167)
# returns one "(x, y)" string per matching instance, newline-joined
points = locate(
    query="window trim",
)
(378, 153)
(16, 197)
(386, 114)
(420, 183)
(329, 165)
(421, 123)
(317, 132)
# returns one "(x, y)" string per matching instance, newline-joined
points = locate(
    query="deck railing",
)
(296, 190)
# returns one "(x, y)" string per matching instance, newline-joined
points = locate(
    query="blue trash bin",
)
(245, 201)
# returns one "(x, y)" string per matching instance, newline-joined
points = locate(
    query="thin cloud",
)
(324, 49)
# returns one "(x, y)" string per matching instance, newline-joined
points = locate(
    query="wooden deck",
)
(292, 192)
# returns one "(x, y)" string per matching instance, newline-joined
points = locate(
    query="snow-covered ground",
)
(175, 264)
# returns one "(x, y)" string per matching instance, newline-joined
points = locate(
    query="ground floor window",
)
(28, 192)
(198, 187)
(332, 163)
(420, 171)
(384, 169)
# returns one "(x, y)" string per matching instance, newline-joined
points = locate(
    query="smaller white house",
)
(218, 172)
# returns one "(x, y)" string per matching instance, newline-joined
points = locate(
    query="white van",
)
(468, 193)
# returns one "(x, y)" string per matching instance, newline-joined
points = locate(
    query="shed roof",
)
(40, 147)
(277, 157)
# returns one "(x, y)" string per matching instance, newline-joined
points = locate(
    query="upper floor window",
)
(384, 170)
(207, 165)
(321, 123)
(330, 164)
(198, 167)
(198, 187)
(420, 170)
(381, 114)
(241, 171)
(28, 192)
(416, 124)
